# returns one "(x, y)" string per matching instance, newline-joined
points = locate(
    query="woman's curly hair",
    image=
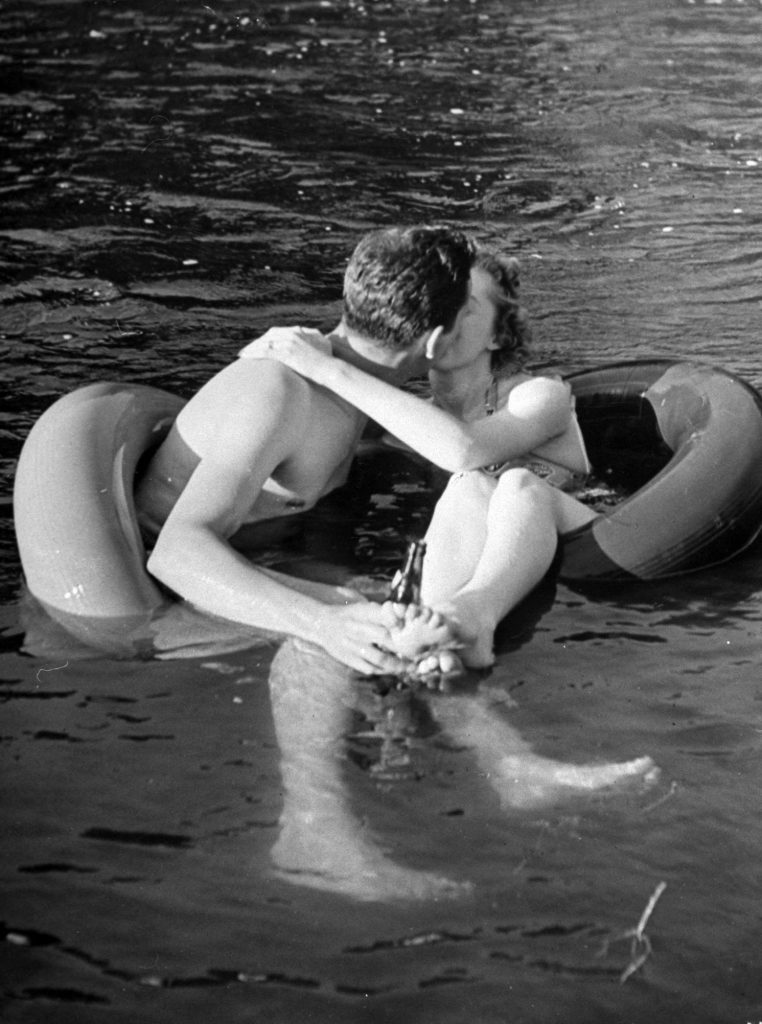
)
(512, 330)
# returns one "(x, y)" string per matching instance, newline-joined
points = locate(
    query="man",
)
(258, 443)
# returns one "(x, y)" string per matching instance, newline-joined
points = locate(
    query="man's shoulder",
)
(243, 404)
(249, 380)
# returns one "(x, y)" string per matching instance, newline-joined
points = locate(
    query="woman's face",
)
(474, 330)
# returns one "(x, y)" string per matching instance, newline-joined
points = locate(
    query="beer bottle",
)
(405, 588)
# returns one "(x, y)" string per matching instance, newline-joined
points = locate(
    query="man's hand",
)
(360, 636)
(302, 349)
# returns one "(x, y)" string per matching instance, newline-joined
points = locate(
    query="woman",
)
(510, 440)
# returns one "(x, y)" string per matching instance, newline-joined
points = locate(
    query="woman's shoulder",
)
(524, 388)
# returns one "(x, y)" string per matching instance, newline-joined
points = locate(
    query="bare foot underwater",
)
(528, 780)
(330, 853)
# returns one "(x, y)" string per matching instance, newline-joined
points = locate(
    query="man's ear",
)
(434, 343)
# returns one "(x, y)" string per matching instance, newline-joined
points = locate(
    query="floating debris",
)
(640, 945)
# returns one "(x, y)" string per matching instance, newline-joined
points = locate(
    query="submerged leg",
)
(322, 843)
(518, 776)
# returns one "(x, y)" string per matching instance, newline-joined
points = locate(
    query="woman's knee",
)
(522, 482)
(468, 488)
(522, 489)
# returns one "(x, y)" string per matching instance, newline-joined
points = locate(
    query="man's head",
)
(402, 283)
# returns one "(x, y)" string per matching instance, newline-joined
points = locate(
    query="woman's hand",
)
(303, 349)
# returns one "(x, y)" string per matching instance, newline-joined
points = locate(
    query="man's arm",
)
(258, 429)
(537, 411)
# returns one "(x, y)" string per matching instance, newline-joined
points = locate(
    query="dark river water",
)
(176, 178)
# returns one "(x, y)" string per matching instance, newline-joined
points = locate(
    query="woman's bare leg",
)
(489, 544)
(456, 536)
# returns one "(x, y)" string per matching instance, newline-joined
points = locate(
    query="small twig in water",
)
(640, 950)
(662, 799)
(640, 947)
(55, 668)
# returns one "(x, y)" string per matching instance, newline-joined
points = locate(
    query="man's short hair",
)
(401, 283)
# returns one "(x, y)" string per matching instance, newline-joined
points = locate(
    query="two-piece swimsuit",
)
(561, 462)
